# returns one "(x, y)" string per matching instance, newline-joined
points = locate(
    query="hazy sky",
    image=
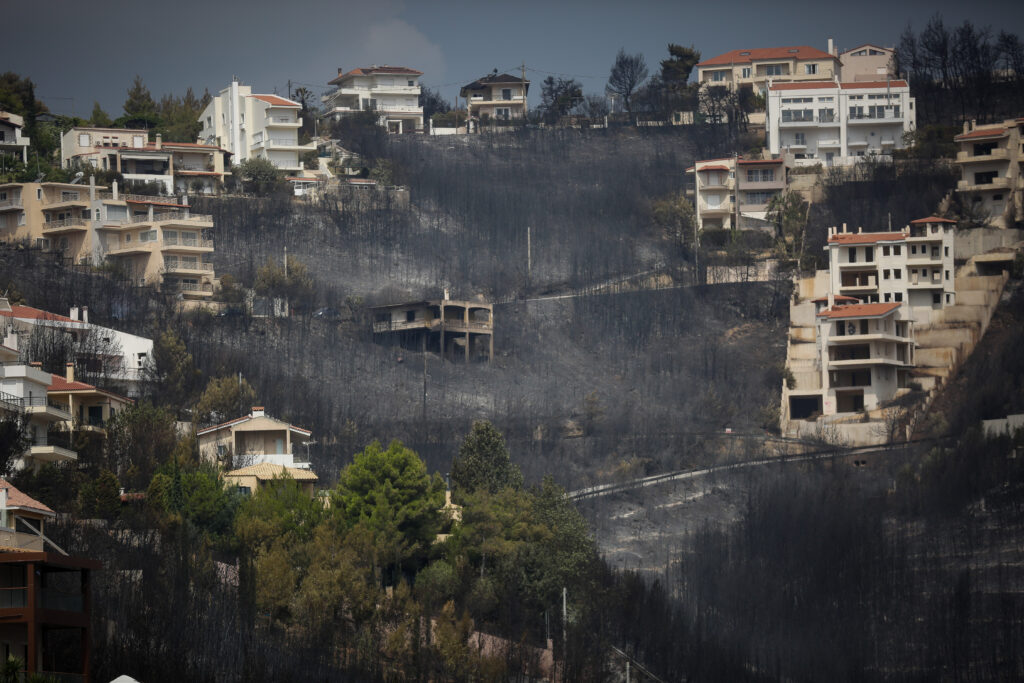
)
(77, 52)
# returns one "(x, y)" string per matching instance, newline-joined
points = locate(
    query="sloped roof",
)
(266, 471)
(837, 297)
(715, 167)
(61, 384)
(29, 313)
(494, 79)
(866, 237)
(932, 219)
(374, 70)
(246, 418)
(276, 101)
(982, 133)
(859, 310)
(17, 499)
(765, 53)
(857, 85)
(861, 47)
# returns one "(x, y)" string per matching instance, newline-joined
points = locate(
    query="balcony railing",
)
(11, 204)
(186, 241)
(64, 223)
(193, 167)
(41, 402)
(188, 286)
(178, 216)
(175, 265)
(995, 154)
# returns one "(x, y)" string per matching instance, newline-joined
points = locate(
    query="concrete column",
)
(32, 629)
(465, 317)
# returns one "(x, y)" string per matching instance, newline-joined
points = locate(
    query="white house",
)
(254, 439)
(11, 139)
(392, 92)
(251, 125)
(734, 193)
(836, 123)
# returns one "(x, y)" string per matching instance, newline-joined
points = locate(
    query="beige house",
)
(391, 92)
(90, 408)
(11, 139)
(254, 477)
(254, 439)
(755, 67)
(867, 63)
(733, 193)
(156, 240)
(177, 166)
(990, 159)
(496, 97)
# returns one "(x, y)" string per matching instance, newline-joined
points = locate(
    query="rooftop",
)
(372, 70)
(932, 219)
(859, 310)
(766, 53)
(17, 499)
(866, 237)
(276, 101)
(996, 132)
(267, 472)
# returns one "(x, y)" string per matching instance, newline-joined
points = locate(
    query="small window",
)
(885, 274)
(411, 83)
(947, 275)
(896, 250)
(83, 139)
(885, 251)
(39, 193)
(810, 69)
(745, 72)
(887, 297)
(898, 297)
(946, 251)
(949, 298)
(897, 274)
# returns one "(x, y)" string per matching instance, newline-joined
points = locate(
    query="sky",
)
(80, 52)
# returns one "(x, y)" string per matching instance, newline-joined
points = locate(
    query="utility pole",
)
(529, 259)
(565, 640)
(523, 67)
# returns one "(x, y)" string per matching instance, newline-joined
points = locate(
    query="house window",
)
(885, 274)
(897, 274)
(946, 251)
(949, 298)
(885, 251)
(869, 254)
(745, 72)
(898, 296)
(717, 76)
(137, 141)
(887, 297)
(39, 193)
(760, 175)
(947, 274)
(896, 250)
(506, 93)
(810, 69)
(799, 139)
(83, 139)
(503, 113)
(410, 83)
(853, 254)
(773, 70)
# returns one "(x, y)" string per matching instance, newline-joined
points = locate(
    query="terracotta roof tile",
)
(760, 54)
(859, 310)
(857, 85)
(837, 297)
(35, 314)
(717, 167)
(982, 133)
(866, 237)
(266, 471)
(805, 85)
(276, 101)
(16, 498)
(760, 161)
(932, 219)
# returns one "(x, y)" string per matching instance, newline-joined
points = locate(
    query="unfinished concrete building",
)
(457, 330)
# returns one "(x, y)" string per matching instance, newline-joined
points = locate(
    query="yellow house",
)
(92, 408)
(757, 66)
(253, 439)
(254, 477)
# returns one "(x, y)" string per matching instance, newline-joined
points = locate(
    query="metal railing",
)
(188, 286)
(40, 402)
(168, 216)
(11, 204)
(173, 264)
(64, 223)
(185, 241)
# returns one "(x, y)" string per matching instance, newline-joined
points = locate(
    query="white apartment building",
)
(392, 92)
(733, 193)
(250, 125)
(757, 67)
(880, 285)
(177, 166)
(835, 123)
(990, 160)
(11, 139)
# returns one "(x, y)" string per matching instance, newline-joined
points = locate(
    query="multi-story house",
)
(90, 408)
(177, 166)
(734, 193)
(835, 123)
(43, 591)
(253, 439)
(913, 266)
(251, 478)
(459, 330)
(117, 358)
(11, 139)
(496, 97)
(156, 240)
(251, 125)
(990, 160)
(755, 68)
(23, 396)
(391, 92)
(867, 63)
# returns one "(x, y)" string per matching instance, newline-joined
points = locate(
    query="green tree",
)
(483, 462)
(172, 375)
(223, 399)
(296, 285)
(627, 75)
(787, 211)
(101, 497)
(676, 70)
(390, 493)
(140, 111)
(676, 218)
(278, 512)
(260, 177)
(99, 117)
(179, 117)
(139, 440)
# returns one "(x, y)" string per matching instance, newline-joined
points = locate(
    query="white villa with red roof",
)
(880, 288)
(392, 92)
(836, 123)
(755, 67)
(178, 166)
(254, 439)
(252, 125)
(90, 407)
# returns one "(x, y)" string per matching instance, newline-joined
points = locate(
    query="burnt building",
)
(457, 330)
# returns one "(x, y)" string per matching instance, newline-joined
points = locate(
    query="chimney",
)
(69, 372)
(74, 313)
(159, 141)
(257, 411)
(844, 228)
(446, 294)
(85, 314)
(113, 190)
(974, 123)
(340, 71)
(36, 364)
(967, 126)
(831, 47)
(860, 229)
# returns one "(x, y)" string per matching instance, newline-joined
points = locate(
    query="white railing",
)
(184, 241)
(182, 216)
(171, 264)
(64, 223)
(11, 204)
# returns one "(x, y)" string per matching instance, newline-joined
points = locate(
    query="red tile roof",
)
(61, 384)
(276, 101)
(760, 161)
(35, 314)
(16, 498)
(855, 85)
(866, 237)
(859, 310)
(982, 133)
(716, 167)
(837, 297)
(760, 54)
(932, 219)
(804, 85)
(363, 71)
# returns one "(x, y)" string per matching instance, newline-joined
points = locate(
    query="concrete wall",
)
(979, 240)
(1007, 425)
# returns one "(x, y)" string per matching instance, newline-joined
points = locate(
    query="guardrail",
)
(64, 223)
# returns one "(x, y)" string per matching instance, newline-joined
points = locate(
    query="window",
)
(947, 274)
(745, 72)
(896, 250)
(773, 70)
(898, 296)
(887, 297)
(83, 139)
(897, 274)
(799, 139)
(997, 197)
(936, 298)
(411, 83)
(21, 218)
(810, 69)
(946, 251)
(39, 193)
(68, 196)
(885, 251)
(826, 99)
(852, 254)
(759, 197)
(869, 254)
(760, 175)
(138, 141)
(717, 76)
(503, 113)
(506, 93)
(949, 298)
(913, 249)
(885, 274)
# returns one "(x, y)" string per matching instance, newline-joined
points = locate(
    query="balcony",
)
(874, 361)
(128, 248)
(287, 459)
(377, 89)
(187, 267)
(174, 243)
(709, 184)
(723, 209)
(64, 226)
(842, 339)
(184, 218)
(282, 122)
(284, 144)
(930, 282)
(52, 448)
(779, 184)
(858, 119)
(11, 205)
(192, 166)
(969, 157)
(190, 290)
(82, 200)
(1000, 183)
(823, 121)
